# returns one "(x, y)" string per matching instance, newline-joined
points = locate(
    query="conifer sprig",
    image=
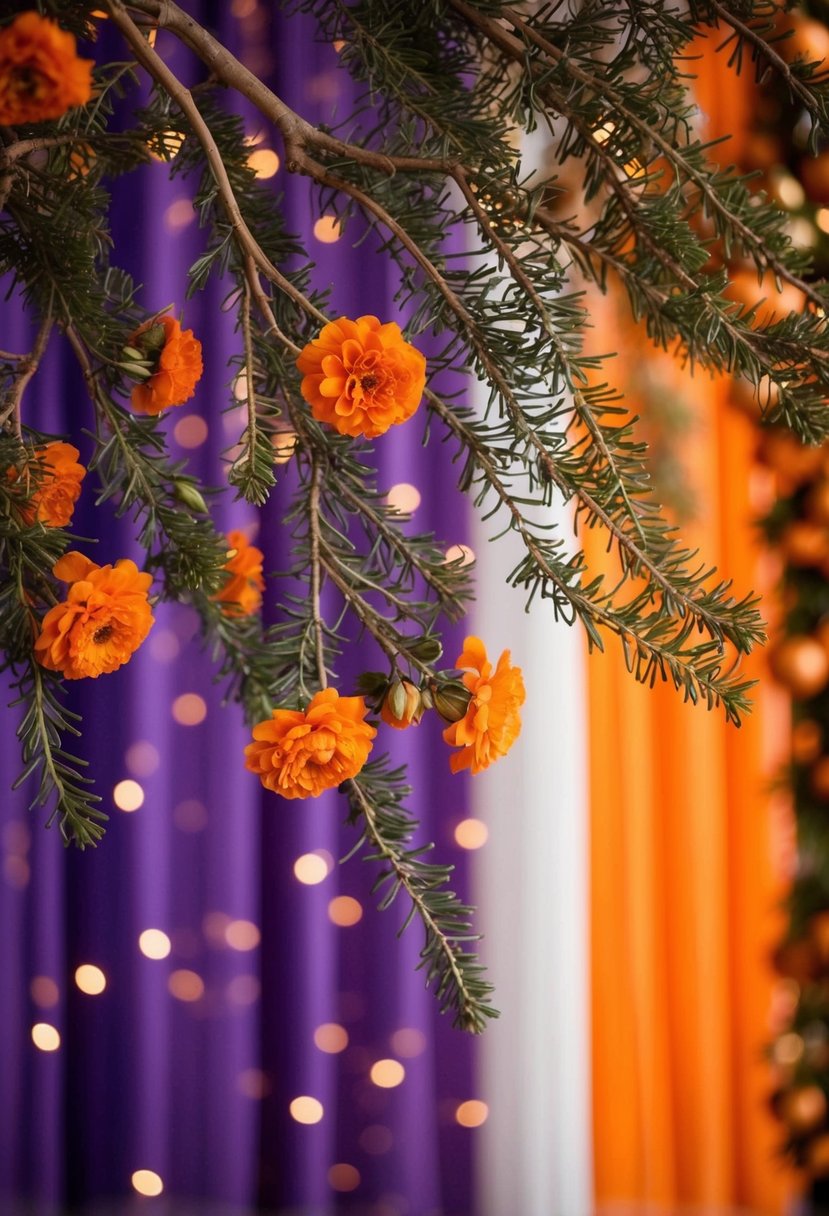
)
(430, 148)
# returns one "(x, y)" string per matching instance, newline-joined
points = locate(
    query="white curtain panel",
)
(531, 881)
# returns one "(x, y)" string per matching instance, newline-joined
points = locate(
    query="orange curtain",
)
(688, 860)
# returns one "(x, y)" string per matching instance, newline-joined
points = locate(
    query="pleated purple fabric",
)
(187, 1065)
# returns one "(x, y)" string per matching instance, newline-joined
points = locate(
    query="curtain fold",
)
(688, 846)
(187, 1065)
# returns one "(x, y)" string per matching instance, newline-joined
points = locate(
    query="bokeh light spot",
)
(45, 1036)
(472, 1113)
(404, 498)
(185, 985)
(253, 1083)
(242, 935)
(459, 553)
(142, 758)
(327, 229)
(44, 991)
(387, 1074)
(128, 795)
(166, 145)
(330, 1037)
(16, 871)
(90, 979)
(147, 1182)
(471, 833)
(408, 1042)
(190, 815)
(244, 990)
(264, 162)
(179, 214)
(189, 709)
(311, 869)
(164, 645)
(305, 1109)
(190, 431)
(343, 1177)
(284, 446)
(154, 943)
(345, 911)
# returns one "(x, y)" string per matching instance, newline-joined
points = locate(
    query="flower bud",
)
(402, 705)
(137, 371)
(428, 649)
(451, 700)
(187, 493)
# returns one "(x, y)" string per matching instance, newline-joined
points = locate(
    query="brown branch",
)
(297, 132)
(516, 50)
(316, 581)
(183, 98)
(27, 366)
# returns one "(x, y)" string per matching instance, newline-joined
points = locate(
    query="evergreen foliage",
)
(445, 87)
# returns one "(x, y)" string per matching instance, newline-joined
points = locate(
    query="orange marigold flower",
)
(362, 377)
(242, 593)
(177, 370)
(492, 722)
(58, 485)
(405, 697)
(41, 75)
(102, 622)
(298, 755)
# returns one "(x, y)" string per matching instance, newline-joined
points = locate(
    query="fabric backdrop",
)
(186, 1065)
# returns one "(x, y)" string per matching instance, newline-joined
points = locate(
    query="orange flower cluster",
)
(362, 377)
(242, 593)
(41, 76)
(58, 485)
(492, 722)
(300, 754)
(104, 619)
(178, 367)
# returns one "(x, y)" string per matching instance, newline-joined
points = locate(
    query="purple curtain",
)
(187, 1065)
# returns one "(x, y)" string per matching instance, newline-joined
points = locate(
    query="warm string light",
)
(45, 1037)
(306, 1109)
(345, 911)
(90, 979)
(128, 795)
(189, 709)
(154, 944)
(147, 1182)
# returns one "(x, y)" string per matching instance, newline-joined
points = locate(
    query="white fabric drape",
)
(532, 887)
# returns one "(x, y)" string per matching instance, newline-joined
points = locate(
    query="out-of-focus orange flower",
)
(41, 76)
(58, 485)
(178, 366)
(362, 377)
(405, 697)
(102, 622)
(242, 593)
(492, 722)
(300, 754)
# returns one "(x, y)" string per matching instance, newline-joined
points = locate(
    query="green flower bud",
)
(428, 649)
(187, 493)
(137, 371)
(451, 700)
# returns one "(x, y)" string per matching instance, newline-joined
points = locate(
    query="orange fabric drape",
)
(687, 861)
